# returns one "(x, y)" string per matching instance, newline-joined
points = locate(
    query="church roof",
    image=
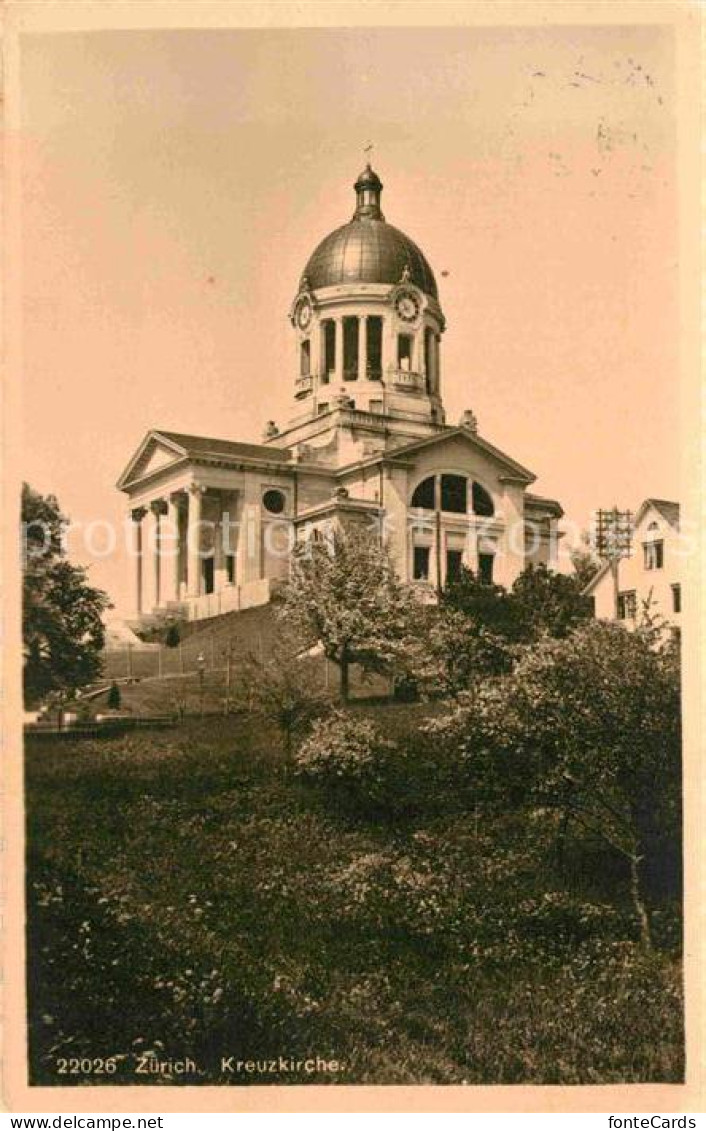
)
(515, 470)
(368, 249)
(210, 445)
(181, 447)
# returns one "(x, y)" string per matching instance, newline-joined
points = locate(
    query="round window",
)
(274, 501)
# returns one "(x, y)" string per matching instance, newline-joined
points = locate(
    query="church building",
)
(215, 519)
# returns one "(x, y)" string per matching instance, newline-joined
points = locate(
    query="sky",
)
(176, 182)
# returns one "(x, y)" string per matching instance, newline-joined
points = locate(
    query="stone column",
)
(338, 322)
(363, 347)
(173, 515)
(220, 577)
(137, 516)
(158, 507)
(193, 542)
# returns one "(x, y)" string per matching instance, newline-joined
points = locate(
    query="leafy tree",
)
(540, 601)
(588, 727)
(545, 601)
(114, 697)
(345, 594)
(488, 605)
(62, 615)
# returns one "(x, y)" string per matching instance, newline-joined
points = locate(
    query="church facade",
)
(215, 519)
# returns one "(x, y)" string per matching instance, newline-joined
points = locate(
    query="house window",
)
(230, 568)
(454, 562)
(676, 598)
(485, 568)
(322, 407)
(627, 605)
(653, 554)
(305, 358)
(454, 497)
(404, 352)
(420, 571)
(375, 406)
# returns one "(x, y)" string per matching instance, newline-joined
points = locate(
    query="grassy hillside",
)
(170, 680)
(188, 895)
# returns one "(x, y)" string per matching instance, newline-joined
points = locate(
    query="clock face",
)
(304, 315)
(407, 306)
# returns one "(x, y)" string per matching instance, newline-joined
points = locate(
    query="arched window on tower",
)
(350, 349)
(482, 502)
(329, 358)
(374, 330)
(429, 359)
(404, 352)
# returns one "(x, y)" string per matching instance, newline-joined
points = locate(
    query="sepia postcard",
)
(352, 505)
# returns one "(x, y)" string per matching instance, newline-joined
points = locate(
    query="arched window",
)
(482, 502)
(454, 494)
(424, 494)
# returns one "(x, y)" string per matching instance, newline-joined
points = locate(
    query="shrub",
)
(350, 758)
(348, 755)
(114, 698)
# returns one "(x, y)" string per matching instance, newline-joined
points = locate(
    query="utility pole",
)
(612, 541)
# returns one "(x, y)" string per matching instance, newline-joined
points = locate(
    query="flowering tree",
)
(588, 727)
(345, 594)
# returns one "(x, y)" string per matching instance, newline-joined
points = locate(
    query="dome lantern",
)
(368, 189)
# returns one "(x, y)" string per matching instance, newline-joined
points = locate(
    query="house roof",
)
(668, 510)
(540, 503)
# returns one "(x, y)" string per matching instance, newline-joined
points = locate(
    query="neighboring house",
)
(652, 573)
(367, 442)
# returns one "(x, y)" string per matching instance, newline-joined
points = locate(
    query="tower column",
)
(193, 541)
(137, 516)
(338, 323)
(362, 347)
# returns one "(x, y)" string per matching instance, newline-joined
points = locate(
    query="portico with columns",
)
(214, 520)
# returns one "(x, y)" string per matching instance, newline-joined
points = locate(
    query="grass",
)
(188, 895)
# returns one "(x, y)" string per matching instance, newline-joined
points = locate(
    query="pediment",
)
(154, 454)
(455, 436)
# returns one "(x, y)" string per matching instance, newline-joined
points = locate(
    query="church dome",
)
(368, 249)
